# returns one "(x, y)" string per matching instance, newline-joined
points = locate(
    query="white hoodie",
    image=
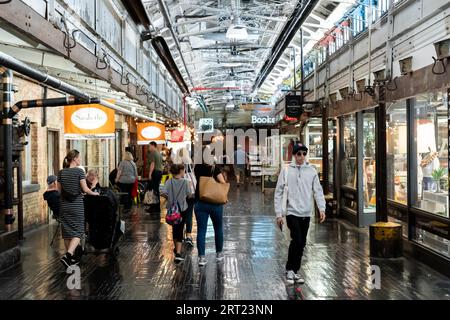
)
(303, 182)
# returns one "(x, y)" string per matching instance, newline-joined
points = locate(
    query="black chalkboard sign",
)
(294, 107)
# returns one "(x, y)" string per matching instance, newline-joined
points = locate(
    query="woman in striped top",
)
(71, 185)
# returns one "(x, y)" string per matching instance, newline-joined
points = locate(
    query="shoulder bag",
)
(212, 191)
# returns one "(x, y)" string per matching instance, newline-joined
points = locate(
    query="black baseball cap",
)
(51, 179)
(299, 147)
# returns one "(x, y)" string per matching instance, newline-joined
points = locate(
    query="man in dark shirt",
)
(52, 196)
(155, 173)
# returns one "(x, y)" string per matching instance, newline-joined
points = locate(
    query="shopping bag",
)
(150, 198)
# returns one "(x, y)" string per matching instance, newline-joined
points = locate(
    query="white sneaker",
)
(290, 276)
(298, 279)
(219, 256)
(202, 261)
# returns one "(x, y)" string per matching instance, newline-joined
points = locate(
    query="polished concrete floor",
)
(336, 263)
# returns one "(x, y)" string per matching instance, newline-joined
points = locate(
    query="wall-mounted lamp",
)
(361, 85)
(442, 49)
(344, 92)
(405, 65)
(379, 76)
(333, 97)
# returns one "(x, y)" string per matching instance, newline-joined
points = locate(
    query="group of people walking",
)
(297, 187)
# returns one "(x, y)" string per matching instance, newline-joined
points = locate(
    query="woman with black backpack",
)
(72, 185)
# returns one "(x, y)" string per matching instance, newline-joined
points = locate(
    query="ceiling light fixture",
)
(237, 30)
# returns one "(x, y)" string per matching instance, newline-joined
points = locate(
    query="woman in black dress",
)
(71, 185)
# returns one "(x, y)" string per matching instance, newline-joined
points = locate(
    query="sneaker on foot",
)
(189, 242)
(69, 260)
(290, 276)
(298, 279)
(202, 261)
(65, 260)
(178, 257)
(219, 256)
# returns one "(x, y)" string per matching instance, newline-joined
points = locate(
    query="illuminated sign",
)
(90, 121)
(263, 120)
(150, 131)
(205, 125)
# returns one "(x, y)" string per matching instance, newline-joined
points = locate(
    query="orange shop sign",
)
(150, 131)
(88, 121)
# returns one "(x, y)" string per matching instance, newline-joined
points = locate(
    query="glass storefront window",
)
(349, 161)
(331, 135)
(369, 161)
(313, 141)
(396, 154)
(431, 145)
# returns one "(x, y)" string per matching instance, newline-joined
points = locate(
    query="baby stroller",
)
(103, 222)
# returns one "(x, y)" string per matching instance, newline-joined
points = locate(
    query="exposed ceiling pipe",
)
(264, 17)
(298, 16)
(197, 33)
(161, 48)
(163, 9)
(20, 67)
(198, 18)
(9, 62)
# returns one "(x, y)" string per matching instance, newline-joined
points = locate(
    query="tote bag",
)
(212, 191)
(191, 177)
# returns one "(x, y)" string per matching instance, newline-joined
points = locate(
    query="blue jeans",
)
(204, 210)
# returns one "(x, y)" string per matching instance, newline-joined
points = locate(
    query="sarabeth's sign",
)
(90, 121)
(263, 120)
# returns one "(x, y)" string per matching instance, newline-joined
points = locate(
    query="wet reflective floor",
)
(336, 263)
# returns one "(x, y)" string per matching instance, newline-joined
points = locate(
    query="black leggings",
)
(177, 229)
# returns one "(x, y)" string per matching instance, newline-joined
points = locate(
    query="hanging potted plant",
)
(437, 175)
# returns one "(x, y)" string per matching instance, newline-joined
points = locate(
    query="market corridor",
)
(336, 263)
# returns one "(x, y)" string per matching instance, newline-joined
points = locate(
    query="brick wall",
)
(35, 208)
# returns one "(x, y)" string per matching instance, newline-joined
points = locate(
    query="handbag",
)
(192, 179)
(212, 191)
(150, 198)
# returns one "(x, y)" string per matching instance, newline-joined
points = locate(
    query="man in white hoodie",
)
(302, 184)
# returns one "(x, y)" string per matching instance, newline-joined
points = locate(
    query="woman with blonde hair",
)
(126, 176)
(71, 185)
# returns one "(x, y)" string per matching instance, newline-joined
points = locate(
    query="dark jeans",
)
(204, 210)
(188, 215)
(154, 185)
(126, 187)
(177, 229)
(299, 230)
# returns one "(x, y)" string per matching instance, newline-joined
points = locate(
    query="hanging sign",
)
(177, 136)
(293, 106)
(150, 131)
(205, 125)
(89, 121)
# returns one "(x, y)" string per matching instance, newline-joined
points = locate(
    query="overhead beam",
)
(42, 31)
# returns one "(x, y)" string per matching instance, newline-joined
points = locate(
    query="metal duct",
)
(298, 16)
(161, 48)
